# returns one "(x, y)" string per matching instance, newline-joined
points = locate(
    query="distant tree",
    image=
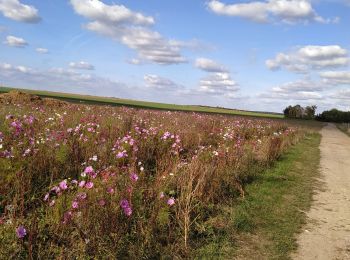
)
(298, 111)
(310, 111)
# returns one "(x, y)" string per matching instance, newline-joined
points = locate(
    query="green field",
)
(141, 104)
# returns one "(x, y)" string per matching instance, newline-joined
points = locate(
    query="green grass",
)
(141, 104)
(264, 224)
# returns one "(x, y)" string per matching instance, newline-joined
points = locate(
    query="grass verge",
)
(345, 128)
(264, 224)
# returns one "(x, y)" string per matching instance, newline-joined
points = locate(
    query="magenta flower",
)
(75, 204)
(89, 170)
(171, 201)
(134, 177)
(128, 211)
(21, 232)
(63, 185)
(110, 190)
(89, 185)
(124, 203)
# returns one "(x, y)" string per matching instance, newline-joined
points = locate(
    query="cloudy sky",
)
(256, 55)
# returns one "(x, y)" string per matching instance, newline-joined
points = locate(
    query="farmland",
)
(83, 180)
(86, 99)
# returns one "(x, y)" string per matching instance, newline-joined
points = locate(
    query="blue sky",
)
(257, 55)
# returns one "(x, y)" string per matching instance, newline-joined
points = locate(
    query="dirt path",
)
(327, 234)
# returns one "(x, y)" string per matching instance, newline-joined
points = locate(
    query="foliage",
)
(300, 112)
(334, 115)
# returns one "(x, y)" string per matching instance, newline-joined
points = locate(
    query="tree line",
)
(300, 112)
(308, 112)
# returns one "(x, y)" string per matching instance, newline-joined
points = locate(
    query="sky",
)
(254, 55)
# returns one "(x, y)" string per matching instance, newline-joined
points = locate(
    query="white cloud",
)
(111, 14)
(82, 65)
(160, 83)
(304, 85)
(310, 57)
(129, 28)
(285, 11)
(209, 65)
(218, 83)
(15, 41)
(304, 89)
(342, 94)
(17, 11)
(59, 79)
(336, 77)
(42, 50)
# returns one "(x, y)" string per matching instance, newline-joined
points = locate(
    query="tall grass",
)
(106, 182)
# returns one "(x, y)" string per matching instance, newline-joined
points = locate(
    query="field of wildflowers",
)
(80, 181)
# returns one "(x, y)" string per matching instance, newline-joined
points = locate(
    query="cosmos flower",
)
(63, 185)
(134, 177)
(171, 201)
(89, 185)
(21, 232)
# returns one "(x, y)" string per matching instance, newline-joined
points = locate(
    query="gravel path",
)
(327, 234)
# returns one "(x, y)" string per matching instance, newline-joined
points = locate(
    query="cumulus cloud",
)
(60, 79)
(129, 28)
(17, 11)
(82, 65)
(342, 94)
(15, 41)
(209, 65)
(285, 11)
(304, 89)
(218, 81)
(304, 85)
(42, 50)
(336, 77)
(160, 83)
(310, 57)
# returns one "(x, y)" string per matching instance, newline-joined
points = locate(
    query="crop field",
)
(80, 181)
(86, 99)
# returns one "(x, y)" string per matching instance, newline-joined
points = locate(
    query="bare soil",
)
(327, 234)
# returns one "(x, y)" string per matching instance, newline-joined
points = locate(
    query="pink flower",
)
(63, 185)
(134, 177)
(102, 202)
(89, 170)
(82, 184)
(46, 196)
(171, 201)
(89, 185)
(110, 190)
(161, 195)
(75, 205)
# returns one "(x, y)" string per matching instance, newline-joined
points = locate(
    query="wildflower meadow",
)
(81, 181)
